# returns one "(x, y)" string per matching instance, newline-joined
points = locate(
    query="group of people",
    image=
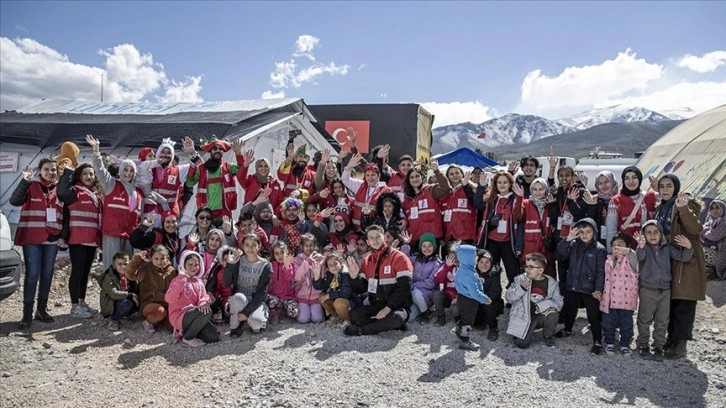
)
(314, 242)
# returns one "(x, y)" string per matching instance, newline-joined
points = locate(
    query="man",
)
(405, 163)
(529, 165)
(294, 172)
(386, 275)
(217, 189)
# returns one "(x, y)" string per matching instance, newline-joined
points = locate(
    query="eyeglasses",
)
(530, 267)
(205, 218)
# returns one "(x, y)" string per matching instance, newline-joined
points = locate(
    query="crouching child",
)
(118, 298)
(471, 294)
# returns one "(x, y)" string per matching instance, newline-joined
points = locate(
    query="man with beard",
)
(217, 190)
(529, 165)
(295, 174)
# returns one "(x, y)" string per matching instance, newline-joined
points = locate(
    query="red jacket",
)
(459, 216)
(85, 218)
(445, 276)
(167, 184)
(291, 182)
(535, 228)
(396, 183)
(423, 214)
(119, 220)
(625, 206)
(281, 283)
(252, 186)
(34, 227)
(360, 202)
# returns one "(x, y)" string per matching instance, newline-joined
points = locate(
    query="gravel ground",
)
(80, 363)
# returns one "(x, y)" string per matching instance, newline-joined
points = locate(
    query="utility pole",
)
(102, 87)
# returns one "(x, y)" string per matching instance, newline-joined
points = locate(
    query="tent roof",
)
(466, 157)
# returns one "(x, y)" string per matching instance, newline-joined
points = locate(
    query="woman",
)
(81, 194)
(335, 196)
(367, 191)
(630, 208)
(254, 183)
(459, 213)
(421, 203)
(196, 240)
(342, 233)
(142, 238)
(502, 212)
(38, 233)
(540, 213)
(121, 205)
(713, 238)
(606, 187)
(327, 171)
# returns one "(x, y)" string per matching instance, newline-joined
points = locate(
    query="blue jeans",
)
(39, 266)
(618, 318)
(123, 308)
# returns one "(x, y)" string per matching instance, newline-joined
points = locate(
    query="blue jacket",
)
(586, 273)
(466, 280)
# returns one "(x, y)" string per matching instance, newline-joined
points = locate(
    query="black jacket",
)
(586, 273)
(229, 278)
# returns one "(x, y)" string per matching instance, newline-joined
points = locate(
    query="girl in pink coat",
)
(189, 304)
(310, 309)
(620, 295)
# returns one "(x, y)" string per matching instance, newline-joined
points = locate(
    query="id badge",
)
(423, 204)
(559, 223)
(51, 215)
(447, 216)
(502, 227)
(567, 218)
(372, 285)
(414, 213)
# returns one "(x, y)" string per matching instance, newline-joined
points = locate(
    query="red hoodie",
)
(445, 275)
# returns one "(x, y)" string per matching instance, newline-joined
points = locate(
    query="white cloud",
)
(459, 112)
(361, 66)
(707, 63)
(273, 95)
(699, 96)
(33, 71)
(304, 46)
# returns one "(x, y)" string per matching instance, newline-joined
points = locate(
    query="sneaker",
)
(148, 327)
(644, 352)
(80, 313)
(177, 336)
(469, 346)
(493, 335)
(563, 333)
(194, 342)
(352, 330)
(549, 341)
(596, 349)
(610, 349)
(236, 333)
(424, 317)
(404, 327)
(625, 351)
(274, 317)
(88, 308)
(658, 354)
(113, 325)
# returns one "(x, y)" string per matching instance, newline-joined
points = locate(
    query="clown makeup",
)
(291, 213)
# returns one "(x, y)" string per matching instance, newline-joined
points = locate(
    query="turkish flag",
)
(341, 132)
(482, 135)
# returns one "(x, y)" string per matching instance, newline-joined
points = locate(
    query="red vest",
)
(535, 227)
(360, 202)
(252, 187)
(625, 206)
(292, 183)
(34, 226)
(396, 183)
(229, 200)
(85, 218)
(119, 220)
(423, 214)
(166, 182)
(459, 216)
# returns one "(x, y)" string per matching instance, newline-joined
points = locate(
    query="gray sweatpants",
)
(655, 306)
(257, 320)
(112, 245)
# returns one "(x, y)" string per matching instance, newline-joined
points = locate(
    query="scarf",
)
(540, 203)
(610, 176)
(665, 211)
(624, 190)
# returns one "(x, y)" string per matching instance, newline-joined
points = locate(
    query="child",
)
(307, 296)
(585, 278)
(536, 301)
(249, 282)
(281, 295)
(154, 273)
(362, 249)
(387, 214)
(117, 298)
(219, 293)
(335, 285)
(425, 264)
(490, 277)
(246, 225)
(620, 294)
(189, 304)
(654, 255)
(471, 294)
(446, 295)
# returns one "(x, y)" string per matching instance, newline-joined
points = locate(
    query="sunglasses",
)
(205, 217)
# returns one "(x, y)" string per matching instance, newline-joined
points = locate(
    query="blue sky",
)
(474, 53)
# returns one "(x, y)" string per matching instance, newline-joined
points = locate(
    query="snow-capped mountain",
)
(614, 114)
(506, 130)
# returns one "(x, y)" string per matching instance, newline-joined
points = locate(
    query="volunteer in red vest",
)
(459, 213)
(405, 163)
(38, 232)
(294, 173)
(421, 203)
(367, 191)
(252, 184)
(630, 208)
(121, 205)
(540, 213)
(216, 189)
(81, 194)
(327, 171)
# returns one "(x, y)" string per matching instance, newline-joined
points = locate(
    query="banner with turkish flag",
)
(341, 131)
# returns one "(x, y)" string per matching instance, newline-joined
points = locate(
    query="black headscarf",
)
(664, 215)
(631, 169)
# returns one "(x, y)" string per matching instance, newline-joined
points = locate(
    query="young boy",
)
(117, 299)
(654, 256)
(585, 278)
(536, 301)
(490, 277)
(471, 294)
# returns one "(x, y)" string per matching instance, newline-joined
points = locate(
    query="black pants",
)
(680, 320)
(487, 314)
(547, 323)
(441, 302)
(562, 266)
(592, 306)
(82, 257)
(502, 251)
(363, 317)
(196, 324)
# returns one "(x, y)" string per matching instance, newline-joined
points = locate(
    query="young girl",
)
(387, 214)
(446, 296)
(249, 277)
(490, 276)
(620, 294)
(307, 296)
(335, 284)
(539, 214)
(425, 264)
(189, 310)
(153, 270)
(421, 202)
(281, 295)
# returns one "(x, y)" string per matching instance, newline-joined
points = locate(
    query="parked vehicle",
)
(10, 263)
(598, 161)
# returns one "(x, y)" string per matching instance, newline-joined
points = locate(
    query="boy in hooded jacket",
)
(118, 297)
(471, 294)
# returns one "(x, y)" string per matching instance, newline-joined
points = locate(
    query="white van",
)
(10, 264)
(598, 161)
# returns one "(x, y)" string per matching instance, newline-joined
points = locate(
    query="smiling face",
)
(565, 177)
(279, 254)
(338, 189)
(339, 223)
(129, 173)
(388, 208)
(49, 171)
(416, 180)
(204, 219)
(454, 175)
(631, 181)
(88, 176)
(372, 178)
(604, 185)
(164, 156)
(119, 264)
(251, 248)
(666, 188)
(291, 213)
(331, 171)
(715, 211)
(404, 166)
(503, 185)
(301, 160)
(170, 224)
(484, 264)
(246, 226)
(191, 266)
(537, 190)
(529, 168)
(375, 239)
(308, 247)
(427, 249)
(214, 242)
(310, 210)
(159, 259)
(263, 169)
(217, 152)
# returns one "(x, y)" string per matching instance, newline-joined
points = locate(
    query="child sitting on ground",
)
(446, 295)
(281, 295)
(471, 294)
(490, 276)
(118, 299)
(335, 285)
(154, 273)
(620, 294)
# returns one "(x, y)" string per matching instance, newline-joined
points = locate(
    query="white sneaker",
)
(79, 312)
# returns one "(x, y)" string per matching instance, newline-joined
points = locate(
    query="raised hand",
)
(683, 241)
(352, 247)
(451, 259)
(27, 173)
(233, 256)
(682, 200)
(353, 268)
(237, 146)
(324, 193)
(340, 248)
(406, 237)
(188, 146)
(653, 182)
(483, 178)
(193, 238)
(383, 151)
(396, 243)
(466, 179)
(226, 225)
(316, 270)
(573, 234)
(301, 214)
(326, 213)
(552, 159)
(144, 255)
(149, 221)
(640, 239)
(589, 198)
(573, 194)
(352, 135)
(518, 190)
(354, 161)
(551, 198)
(325, 157)
(95, 144)
(513, 166)
(249, 157)
(288, 260)
(434, 165)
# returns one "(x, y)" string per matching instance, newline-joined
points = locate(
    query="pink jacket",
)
(304, 290)
(184, 294)
(282, 278)
(621, 283)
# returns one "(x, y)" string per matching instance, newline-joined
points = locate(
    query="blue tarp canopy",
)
(466, 157)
